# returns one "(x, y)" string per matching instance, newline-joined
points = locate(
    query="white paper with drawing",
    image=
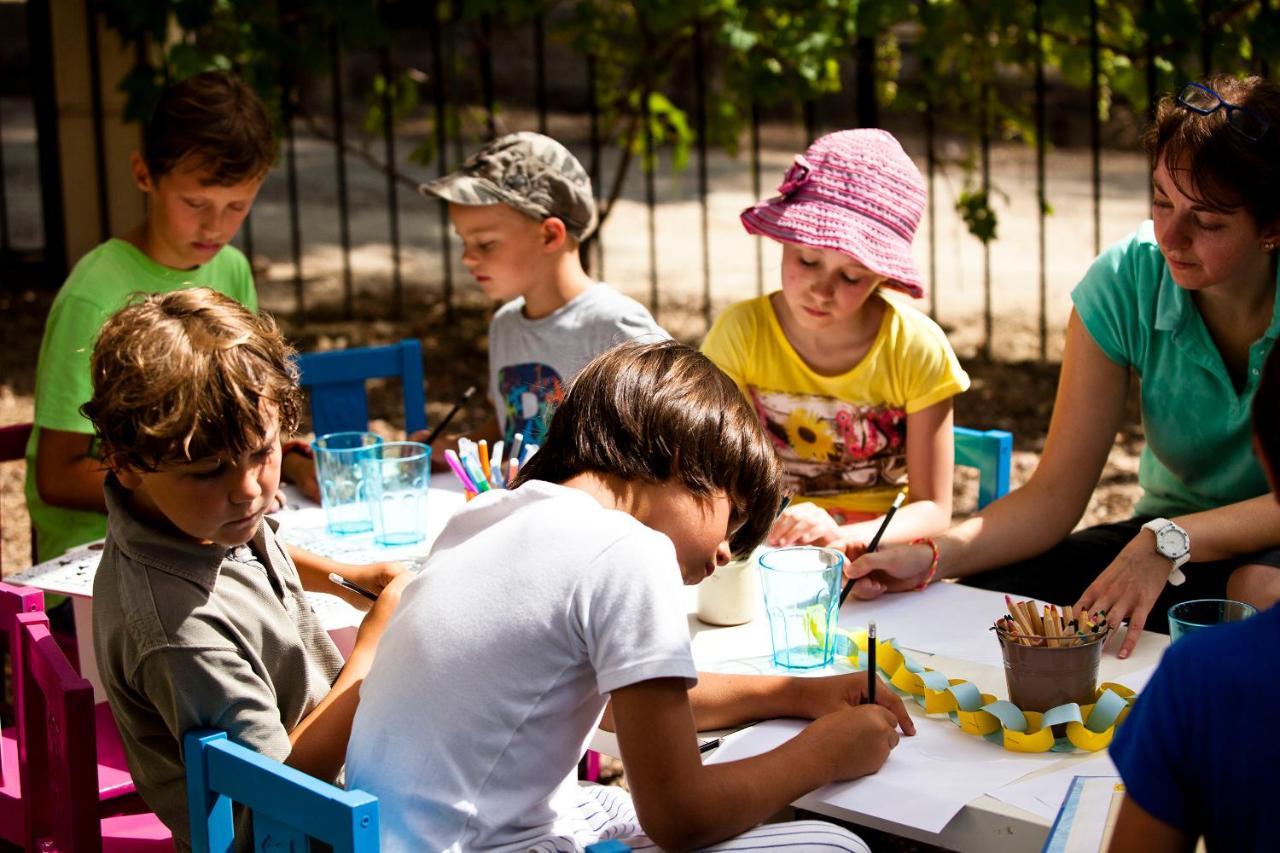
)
(926, 781)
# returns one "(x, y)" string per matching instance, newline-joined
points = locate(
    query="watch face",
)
(1172, 542)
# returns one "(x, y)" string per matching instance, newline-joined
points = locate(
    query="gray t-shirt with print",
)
(532, 362)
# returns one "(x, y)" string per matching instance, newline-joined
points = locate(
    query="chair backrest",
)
(991, 452)
(13, 446)
(287, 805)
(13, 441)
(335, 382)
(56, 744)
(13, 600)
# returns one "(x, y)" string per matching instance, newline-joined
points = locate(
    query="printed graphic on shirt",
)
(530, 392)
(830, 446)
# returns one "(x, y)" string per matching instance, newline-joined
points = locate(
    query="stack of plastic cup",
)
(397, 477)
(801, 596)
(343, 487)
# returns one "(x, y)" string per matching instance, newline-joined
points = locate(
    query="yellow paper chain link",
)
(1088, 727)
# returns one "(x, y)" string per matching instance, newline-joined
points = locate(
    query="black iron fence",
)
(471, 67)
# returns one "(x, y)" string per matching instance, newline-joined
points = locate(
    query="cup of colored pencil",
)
(480, 471)
(1049, 626)
(1051, 654)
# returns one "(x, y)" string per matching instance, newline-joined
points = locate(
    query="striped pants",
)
(603, 813)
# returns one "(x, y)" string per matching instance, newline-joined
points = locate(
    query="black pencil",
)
(356, 588)
(871, 663)
(444, 422)
(875, 542)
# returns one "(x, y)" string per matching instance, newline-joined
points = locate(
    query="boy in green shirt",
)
(205, 153)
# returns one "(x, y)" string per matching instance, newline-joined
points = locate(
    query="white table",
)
(301, 524)
(945, 616)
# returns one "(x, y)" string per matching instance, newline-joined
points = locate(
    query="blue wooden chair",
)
(335, 382)
(991, 452)
(287, 805)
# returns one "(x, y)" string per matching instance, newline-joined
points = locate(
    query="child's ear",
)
(554, 233)
(141, 174)
(1271, 234)
(128, 477)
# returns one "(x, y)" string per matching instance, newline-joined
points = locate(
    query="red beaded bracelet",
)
(933, 566)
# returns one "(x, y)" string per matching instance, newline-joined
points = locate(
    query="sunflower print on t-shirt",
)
(830, 446)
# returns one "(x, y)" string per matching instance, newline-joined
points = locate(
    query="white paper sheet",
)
(926, 781)
(1042, 795)
(946, 618)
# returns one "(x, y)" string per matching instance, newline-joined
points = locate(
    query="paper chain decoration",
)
(1089, 727)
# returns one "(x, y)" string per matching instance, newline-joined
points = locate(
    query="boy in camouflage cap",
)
(521, 205)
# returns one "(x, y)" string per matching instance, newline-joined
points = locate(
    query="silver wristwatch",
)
(1172, 542)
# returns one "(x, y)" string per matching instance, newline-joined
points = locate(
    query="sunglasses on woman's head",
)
(1202, 100)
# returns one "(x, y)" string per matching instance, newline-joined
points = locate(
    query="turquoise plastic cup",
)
(801, 594)
(343, 488)
(397, 478)
(1187, 617)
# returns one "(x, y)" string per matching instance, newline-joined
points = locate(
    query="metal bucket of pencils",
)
(1047, 665)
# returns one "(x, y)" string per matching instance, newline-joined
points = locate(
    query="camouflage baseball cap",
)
(528, 171)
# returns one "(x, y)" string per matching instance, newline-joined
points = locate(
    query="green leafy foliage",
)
(969, 62)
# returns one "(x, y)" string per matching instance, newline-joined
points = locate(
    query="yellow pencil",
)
(1034, 618)
(1050, 627)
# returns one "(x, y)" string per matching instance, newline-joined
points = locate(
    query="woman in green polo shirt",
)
(1188, 305)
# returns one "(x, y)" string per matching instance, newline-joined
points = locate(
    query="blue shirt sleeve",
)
(1150, 748)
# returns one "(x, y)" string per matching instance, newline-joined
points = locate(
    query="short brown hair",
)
(216, 121)
(1213, 163)
(663, 412)
(187, 375)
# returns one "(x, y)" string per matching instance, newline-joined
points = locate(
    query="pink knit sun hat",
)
(855, 191)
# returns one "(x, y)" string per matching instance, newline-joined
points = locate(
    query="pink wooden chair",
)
(57, 749)
(114, 780)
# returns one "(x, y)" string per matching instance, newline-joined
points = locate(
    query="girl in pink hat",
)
(851, 383)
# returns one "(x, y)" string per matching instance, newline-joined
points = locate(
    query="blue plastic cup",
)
(342, 480)
(1187, 617)
(801, 594)
(398, 476)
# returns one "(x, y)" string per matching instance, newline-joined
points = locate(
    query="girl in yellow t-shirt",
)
(853, 385)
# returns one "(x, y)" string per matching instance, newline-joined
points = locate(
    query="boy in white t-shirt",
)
(541, 605)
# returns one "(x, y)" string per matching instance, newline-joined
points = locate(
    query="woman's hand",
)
(892, 568)
(803, 524)
(1129, 587)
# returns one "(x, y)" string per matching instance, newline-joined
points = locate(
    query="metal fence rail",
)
(462, 65)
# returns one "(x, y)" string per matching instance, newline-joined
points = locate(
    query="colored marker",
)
(459, 470)
(484, 458)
